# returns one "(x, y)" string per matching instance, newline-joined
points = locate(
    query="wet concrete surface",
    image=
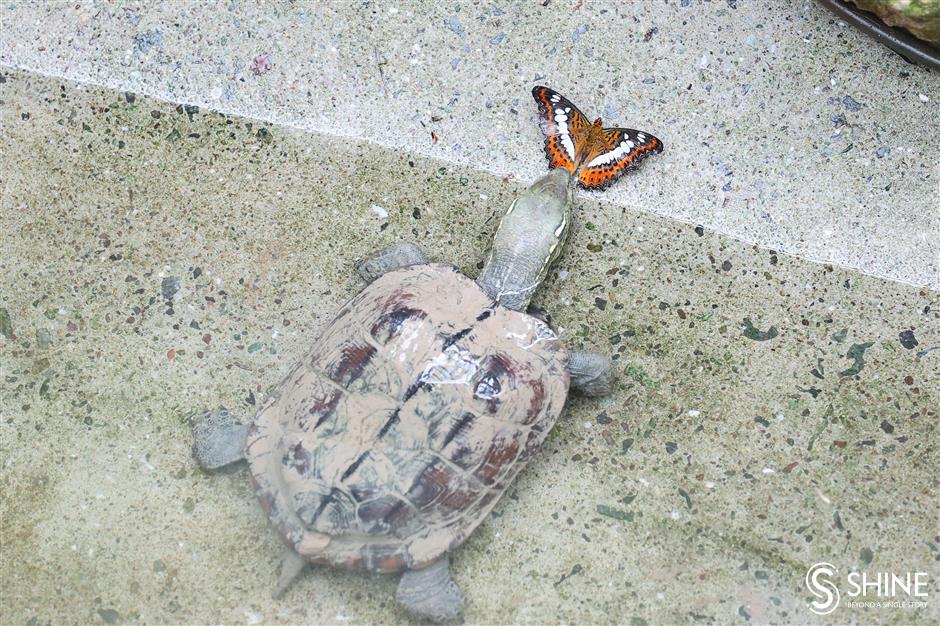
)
(158, 261)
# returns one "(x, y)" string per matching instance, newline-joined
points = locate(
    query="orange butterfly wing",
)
(623, 149)
(563, 126)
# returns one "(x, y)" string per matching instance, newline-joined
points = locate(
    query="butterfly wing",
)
(563, 125)
(623, 149)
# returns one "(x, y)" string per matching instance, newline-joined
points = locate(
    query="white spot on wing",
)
(616, 154)
(565, 137)
(568, 145)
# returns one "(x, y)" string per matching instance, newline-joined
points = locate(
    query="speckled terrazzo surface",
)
(158, 260)
(782, 126)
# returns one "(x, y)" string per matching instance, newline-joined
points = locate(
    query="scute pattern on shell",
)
(399, 431)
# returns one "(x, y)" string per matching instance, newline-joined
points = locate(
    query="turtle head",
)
(530, 237)
(542, 215)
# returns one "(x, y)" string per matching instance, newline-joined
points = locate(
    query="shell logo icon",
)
(819, 583)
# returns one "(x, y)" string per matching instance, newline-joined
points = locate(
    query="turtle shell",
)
(394, 437)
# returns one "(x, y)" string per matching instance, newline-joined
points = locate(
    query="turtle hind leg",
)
(431, 593)
(392, 258)
(592, 373)
(218, 439)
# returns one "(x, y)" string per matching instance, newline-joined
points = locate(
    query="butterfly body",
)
(595, 156)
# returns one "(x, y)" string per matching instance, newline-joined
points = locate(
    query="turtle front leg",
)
(431, 593)
(218, 439)
(394, 257)
(591, 373)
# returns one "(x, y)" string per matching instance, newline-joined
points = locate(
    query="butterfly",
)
(598, 156)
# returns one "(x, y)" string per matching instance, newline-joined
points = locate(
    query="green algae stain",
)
(638, 374)
(6, 324)
(924, 353)
(857, 354)
(577, 569)
(819, 430)
(265, 135)
(840, 336)
(751, 332)
(617, 514)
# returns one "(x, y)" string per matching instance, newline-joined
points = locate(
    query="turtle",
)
(398, 432)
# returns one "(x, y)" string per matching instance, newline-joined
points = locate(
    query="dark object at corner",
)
(907, 45)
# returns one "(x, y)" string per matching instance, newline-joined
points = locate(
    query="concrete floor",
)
(159, 259)
(782, 126)
(771, 412)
